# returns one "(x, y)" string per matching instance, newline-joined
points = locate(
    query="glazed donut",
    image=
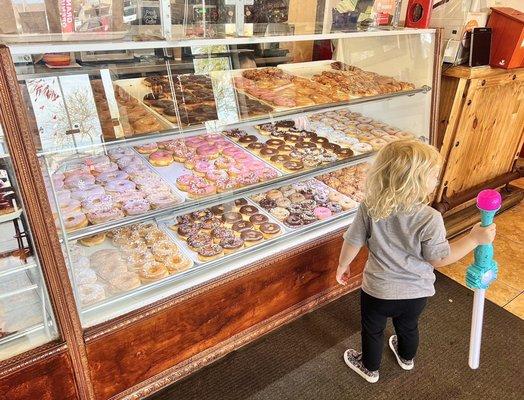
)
(162, 200)
(274, 194)
(74, 220)
(91, 293)
(365, 127)
(120, 186)
(124, 282)
(93, 240)
(136, 260)
(378, 132)
(390, 130)
(403, 135)
(161, 158)
(179, 264)
(377, 143)
(164, 249)
(360, 148)
(147, 148)
(155, 236)
(153, 271)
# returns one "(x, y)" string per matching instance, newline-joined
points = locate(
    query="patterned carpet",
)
(303, 360)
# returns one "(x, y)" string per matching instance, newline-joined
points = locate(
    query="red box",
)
(507, 43)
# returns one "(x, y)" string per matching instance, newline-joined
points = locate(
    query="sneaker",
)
(354, 361)
(404, 364)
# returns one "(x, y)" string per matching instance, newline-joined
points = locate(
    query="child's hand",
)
(483, 235)
(343, 274)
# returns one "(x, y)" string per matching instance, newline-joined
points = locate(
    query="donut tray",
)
(318, 221)
(136, 88)
(171, 173)
(88, 251)
(165, 224)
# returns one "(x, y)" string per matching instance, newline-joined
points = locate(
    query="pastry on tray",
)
(349, 181)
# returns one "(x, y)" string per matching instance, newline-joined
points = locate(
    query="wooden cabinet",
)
(480, 131)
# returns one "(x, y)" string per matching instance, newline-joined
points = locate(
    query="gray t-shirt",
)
(400, 248)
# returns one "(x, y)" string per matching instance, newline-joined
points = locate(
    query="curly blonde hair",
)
(397, 182)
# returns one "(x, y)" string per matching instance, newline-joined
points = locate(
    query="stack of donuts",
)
(148, 252)
(290, 149)
(350, 181)
(99, 189)
(303, 203)
(362, 134)
(223, 229)
(90, 289)
(213, 164)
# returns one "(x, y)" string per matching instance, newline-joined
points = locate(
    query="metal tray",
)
(176, 169)
(164, 224)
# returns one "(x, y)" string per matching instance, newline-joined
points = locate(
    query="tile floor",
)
(508, 290)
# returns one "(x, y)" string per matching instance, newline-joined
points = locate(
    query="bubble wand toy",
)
(482, 272)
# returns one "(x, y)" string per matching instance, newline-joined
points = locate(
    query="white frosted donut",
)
(91, 293)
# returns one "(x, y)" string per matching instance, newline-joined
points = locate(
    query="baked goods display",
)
(195, 98)
(362, 134)
(214, 232)
(123, 259)
(204, 165)
(350, 181)
(98, 189)
(288, 148)
(356, 82)
(303, 203)
(249, 107)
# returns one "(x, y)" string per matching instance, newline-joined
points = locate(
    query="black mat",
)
(303, 360)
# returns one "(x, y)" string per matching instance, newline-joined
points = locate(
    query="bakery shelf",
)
(210, 201)
(16, 269)
(18, 291)
(101, 311)
(191, 130)
(61, 47)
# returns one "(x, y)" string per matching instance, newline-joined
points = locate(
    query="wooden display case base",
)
(160, 345)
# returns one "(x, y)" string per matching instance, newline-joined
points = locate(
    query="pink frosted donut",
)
(79, 181)
(96, 160)
(120, 152)
(224, 162)
(58, 184)
(202, 167)
(62, 195)
(100, 168)
(201, 189)
(74, 220)
(254, 165)
(76, 170)
(98, 203)
(70, 206)
(322, 212)
(120, 186)
(162, 200)
(183, 181)
(163, 144)
(155, 187)
(231, 151)
(216, 174)
(267, 174)
(135, 206)
(120, 198)
(89, 190)
(101, 216)
(131, 168)
(111, 176)
(194, 141)
(207, 151)
(127, 160)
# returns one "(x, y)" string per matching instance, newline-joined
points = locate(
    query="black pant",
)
(374, 313)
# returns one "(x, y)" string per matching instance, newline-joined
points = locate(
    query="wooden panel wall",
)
(124, 358)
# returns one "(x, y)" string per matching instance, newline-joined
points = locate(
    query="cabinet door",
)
(26, 316)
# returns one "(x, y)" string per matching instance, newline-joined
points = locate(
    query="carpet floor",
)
(303, 360)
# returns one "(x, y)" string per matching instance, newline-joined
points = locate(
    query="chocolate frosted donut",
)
(345, 153)
(250, 235)
(293, 165)
(269, 228)
(231, 217)
(202, 215)
(332, 147)
(240, 202)
(286, 124)
(183, 219)
(285, 148)
(294, 220)
(268, 204)
(221, 208)
(256, 146)
(268, 151)
(211, 223)
(258, 219)
(199, 240)
(240, 226)
(220, 233)
(308, 217)
(248, 210)
(232, 243)
(275, 142)
(279, 158)
(320, 140)
(188, 229)
(210, 250)
(292, 138)
(248, 139)
(305, 145)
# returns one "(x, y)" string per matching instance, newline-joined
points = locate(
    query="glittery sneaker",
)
(404, 364)
(354, 361)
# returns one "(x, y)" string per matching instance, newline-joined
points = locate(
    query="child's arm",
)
(461, 247)
(347, 255)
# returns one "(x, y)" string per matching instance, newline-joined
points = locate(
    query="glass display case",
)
(26, 316)
(236, 131)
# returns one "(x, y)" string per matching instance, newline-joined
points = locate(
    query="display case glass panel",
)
(179, 165)
(26, 317)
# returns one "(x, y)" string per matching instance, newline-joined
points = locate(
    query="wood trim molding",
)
(15, 364)
(435, 95)
(101, 330)
(37, 209)
(179, 371)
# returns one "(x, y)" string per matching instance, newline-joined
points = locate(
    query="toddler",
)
(406, 240)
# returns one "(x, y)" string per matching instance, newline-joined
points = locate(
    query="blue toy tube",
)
(481, 273)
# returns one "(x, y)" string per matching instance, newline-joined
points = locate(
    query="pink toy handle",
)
(489, 200)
